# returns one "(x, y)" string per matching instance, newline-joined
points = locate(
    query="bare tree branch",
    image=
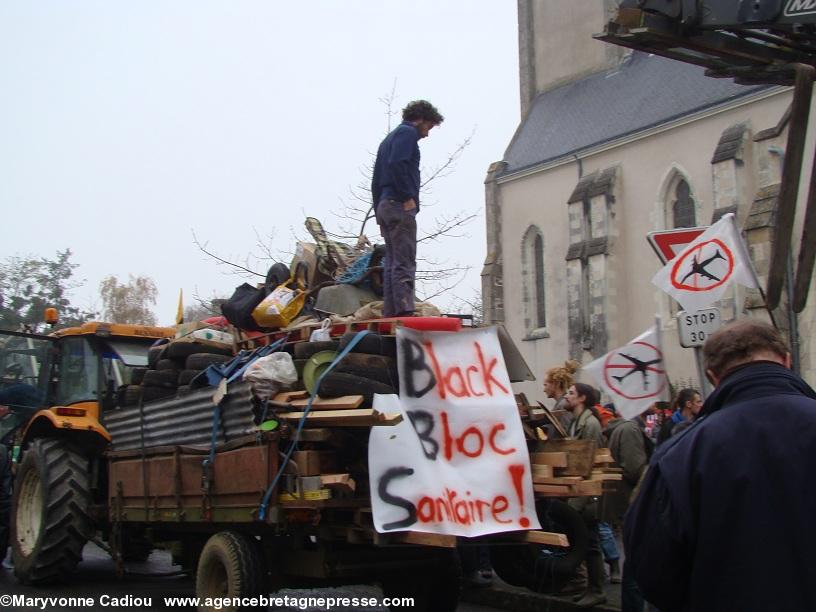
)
(238, 268)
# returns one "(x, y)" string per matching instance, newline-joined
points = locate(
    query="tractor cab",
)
(68, 379)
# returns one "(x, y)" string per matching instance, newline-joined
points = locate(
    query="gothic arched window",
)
(533, 279)
(683, 206)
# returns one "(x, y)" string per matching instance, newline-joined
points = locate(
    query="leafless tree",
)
(434, 276)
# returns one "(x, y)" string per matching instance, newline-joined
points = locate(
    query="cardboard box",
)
(314, 463)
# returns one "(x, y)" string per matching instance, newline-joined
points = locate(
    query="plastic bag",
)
(323, 334)
(269, 374)
(280, 307)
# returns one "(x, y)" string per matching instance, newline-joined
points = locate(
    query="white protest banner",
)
(458, 463)
(634, 375)
(699, 275)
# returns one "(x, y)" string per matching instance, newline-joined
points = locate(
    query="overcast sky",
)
(127, 126)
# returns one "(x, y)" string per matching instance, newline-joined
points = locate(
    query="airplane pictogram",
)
(700, 268)
(638, 366)
(706, 273)
(637, 356)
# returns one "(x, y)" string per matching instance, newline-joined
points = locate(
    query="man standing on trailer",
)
(395, 192)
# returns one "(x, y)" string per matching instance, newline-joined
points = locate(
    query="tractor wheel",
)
(5, 499)
(50, 520)
(231, 565)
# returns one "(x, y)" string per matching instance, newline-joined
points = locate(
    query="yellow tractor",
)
(56, 390)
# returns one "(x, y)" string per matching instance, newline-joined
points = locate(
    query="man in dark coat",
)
(395, 193)
(724, 517)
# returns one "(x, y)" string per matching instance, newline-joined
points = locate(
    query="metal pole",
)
(744, 249)
(789, 187)
(705, 386)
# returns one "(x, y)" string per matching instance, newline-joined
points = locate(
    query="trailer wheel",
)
(230, 566)
(538, 567)
(50, 512)
(436, 589)
(135, 546)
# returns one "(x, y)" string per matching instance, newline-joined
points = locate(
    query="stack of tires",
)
(370, 367)
(170, 369)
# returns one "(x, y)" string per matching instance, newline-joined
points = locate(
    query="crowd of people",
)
(705, 486)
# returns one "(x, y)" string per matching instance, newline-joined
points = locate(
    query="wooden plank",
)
(425, 539)
(542, 471)
(288, 396)
(547, 538)
(603, 460)
(558, 480)
(551, 459)
(316, 434)
(332, 403)
(339, 481)
(605, 477)
(554, 421)
(553, 489)
(590, 487)
(361, 417)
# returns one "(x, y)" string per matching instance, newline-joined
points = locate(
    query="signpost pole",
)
(705, 386)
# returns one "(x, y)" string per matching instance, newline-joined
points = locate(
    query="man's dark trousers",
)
(399, 230)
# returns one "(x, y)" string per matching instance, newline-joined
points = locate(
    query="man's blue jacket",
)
(726, 515)
(396, 170)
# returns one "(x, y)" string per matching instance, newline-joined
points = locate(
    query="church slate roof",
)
(645, 91)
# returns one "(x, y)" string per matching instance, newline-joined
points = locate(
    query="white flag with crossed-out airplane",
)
(699, 275)
(634, 375)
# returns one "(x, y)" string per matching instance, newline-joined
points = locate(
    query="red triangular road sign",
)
(668, 243)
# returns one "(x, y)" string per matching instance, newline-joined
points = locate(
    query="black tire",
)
(526, 566)
(50, 520)
(165, 379)
(168, 364)
(200, 361)
(182, 350)
(434, 589)
(299, 365)
(371, 343)
(137, 376)
(183, 390)
(375, 275)
(154, 354)
(376, 367)
(185, 376)
(151, 394)
(130, 395)
(304, 350)
(277, 274)
(337, 384)
(230, 565)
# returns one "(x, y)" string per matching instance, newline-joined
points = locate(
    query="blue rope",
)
(224, 372)
(357, 269)
(265, 502)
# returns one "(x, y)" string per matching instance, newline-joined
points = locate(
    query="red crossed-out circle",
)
(680, 267)
(623, 364)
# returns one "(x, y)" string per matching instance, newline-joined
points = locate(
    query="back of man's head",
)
(422, 110)
(741, 342)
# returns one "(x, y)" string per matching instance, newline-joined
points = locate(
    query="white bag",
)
(323, 334)
(269, 374)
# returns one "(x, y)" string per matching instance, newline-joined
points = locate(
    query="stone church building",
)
(612, 145)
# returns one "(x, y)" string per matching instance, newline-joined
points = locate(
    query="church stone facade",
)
(612, 145)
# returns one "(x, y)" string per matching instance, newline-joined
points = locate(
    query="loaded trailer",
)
(250, 495)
